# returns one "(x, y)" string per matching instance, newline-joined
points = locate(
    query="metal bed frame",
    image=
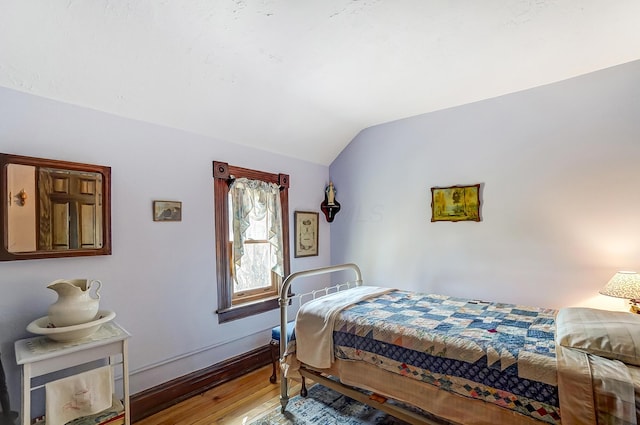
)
(319, 377)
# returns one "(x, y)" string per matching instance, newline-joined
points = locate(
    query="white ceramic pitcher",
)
(75, 305)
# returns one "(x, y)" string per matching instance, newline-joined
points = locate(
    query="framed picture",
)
(455, 203)
(167, 211)
(306, 230)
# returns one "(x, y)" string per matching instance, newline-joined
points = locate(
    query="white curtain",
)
(255, 200)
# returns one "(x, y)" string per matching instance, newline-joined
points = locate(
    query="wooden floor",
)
(233, 403)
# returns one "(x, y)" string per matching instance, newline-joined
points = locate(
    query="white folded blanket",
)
(78, 395)
(315, 322)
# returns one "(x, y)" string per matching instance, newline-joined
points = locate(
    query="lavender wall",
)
(560, 196)
(160, 280)
(559, 168)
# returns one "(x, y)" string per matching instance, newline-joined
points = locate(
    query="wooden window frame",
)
(223, 175)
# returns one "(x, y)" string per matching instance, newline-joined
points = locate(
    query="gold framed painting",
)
(306, 231)
(455, 203)
(167, 211)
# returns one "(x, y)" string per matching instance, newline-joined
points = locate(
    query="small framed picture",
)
(306, 231)
(455, 203)
(167, 211)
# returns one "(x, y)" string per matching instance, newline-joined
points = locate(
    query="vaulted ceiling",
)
(302, 77)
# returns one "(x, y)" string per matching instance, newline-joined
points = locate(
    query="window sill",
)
(247, 310)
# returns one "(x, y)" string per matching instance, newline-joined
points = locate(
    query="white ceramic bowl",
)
(43, 326)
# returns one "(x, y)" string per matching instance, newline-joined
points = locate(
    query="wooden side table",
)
(41, 355)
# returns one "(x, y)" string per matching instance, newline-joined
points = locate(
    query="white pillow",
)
(610, 334)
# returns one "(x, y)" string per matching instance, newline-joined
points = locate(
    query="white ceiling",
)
(302, 77)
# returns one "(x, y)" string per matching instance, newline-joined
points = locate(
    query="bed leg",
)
(283, 402)
(303, 388)
(284, 393)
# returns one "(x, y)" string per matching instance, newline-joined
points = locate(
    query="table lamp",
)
(624, 284)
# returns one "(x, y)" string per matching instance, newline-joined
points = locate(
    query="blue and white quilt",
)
(499, 353)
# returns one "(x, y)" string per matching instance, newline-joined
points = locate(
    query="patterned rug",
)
(323, 406)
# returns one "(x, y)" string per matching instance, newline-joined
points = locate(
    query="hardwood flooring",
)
(232, 403)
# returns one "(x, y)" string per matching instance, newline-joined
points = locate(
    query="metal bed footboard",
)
(284, 303)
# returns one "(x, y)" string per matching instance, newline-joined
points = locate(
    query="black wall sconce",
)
(330, 206)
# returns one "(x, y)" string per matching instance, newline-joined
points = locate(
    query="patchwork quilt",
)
(500, 353)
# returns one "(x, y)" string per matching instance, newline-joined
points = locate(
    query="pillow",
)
(611, 334)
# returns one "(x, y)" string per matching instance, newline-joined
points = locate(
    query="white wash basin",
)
(43, 326)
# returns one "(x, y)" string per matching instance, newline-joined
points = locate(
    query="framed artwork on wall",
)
(306, 233)
(455, 203)
(167, 211)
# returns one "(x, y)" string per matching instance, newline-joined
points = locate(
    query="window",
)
(252, 239)
(255, 235)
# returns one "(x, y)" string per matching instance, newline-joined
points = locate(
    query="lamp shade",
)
(623, 284)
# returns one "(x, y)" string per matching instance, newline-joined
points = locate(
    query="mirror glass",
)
(54, 208)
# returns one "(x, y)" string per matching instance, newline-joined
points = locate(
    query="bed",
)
(432, 359)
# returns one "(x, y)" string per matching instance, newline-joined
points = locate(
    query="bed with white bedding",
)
(465, 361)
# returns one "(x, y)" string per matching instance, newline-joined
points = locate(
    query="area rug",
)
(324, 406)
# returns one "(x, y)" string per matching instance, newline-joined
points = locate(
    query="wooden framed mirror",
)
(53, 208)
